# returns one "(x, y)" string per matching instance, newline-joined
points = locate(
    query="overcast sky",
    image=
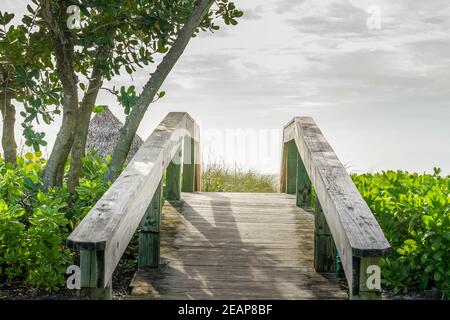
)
(380, 95)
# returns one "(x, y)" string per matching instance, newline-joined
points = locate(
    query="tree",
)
(8, 113)
(200, 18)
(72, 63)
(115, 35)
(134, 31)
(25, 70)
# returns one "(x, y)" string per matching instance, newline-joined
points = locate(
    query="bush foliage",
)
(413, 211)
(34, 223)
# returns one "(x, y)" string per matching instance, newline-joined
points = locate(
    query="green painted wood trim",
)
(303, 185)
(324, 246)
(149, 236)
(367, 278)
(188, 184)
(291, 167)
(92, 276)
(173, 177)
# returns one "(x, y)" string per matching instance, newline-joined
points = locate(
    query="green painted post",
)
(173, 177)
(303, 185)
(291, 167)
(92, 266)
(324, 247)
(188, 165)
(149, 236)
(366, 278)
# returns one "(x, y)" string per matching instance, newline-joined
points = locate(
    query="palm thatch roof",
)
(104, 132)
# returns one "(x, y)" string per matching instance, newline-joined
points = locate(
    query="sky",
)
(375, 76)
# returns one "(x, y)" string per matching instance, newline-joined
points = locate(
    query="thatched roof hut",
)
(104, 132)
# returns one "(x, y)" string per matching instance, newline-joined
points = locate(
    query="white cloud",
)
(380, 96)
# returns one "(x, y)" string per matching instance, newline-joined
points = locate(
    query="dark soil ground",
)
(20, 291)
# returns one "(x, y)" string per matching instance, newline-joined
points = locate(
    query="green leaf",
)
(99, 109)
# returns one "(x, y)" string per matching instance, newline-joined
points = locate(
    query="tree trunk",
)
(84, 118)
(9, 145)
(151, 88)
(64, 50)
(54, 170)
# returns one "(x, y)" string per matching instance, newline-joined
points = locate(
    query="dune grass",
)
(217, 177)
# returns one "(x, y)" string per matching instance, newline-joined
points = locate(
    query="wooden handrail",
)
(343, 218)
(134, 199)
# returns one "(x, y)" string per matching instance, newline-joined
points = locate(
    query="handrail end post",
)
(94, 286)
(366, 278)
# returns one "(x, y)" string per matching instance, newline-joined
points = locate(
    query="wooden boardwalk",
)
(236, 246)
(232, 245)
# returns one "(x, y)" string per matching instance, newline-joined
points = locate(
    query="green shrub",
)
(35, 223)
(413, 211)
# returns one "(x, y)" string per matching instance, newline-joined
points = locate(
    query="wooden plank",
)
(113, 220)
(367, 282)
(283, 169)
(184, 275)
(173, 177)
(303, 185)
(149, 236)
(233, 294)
(188, 179)
(198, 159)
(291, 167)
(93, 286)
(206, 253)
(352, 224)
(324, 247)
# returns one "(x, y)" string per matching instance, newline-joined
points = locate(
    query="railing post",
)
(197, 164)
(149, 236)
(92, 266)
(303, 185)
(173, 177)
(324, 247)
(291, 167)
(366, 279)
(188, 179)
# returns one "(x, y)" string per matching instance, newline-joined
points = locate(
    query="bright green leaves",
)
(99, 109)
(35, 223)
(414, 212)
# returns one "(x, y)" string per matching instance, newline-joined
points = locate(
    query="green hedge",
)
(35, 223)
(413, 211)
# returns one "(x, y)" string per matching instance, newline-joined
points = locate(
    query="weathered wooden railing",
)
(134, 199)
(342, 217)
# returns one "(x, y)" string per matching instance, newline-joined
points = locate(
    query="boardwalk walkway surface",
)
(236, 246)
(232, 245)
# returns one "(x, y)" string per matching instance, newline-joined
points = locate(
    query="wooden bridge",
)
(199, 245)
